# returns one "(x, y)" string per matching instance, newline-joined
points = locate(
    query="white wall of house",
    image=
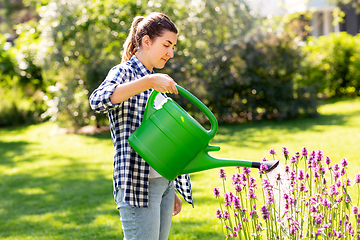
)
(321, 23)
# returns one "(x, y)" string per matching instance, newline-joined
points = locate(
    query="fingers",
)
(166, 84)
(177, 205)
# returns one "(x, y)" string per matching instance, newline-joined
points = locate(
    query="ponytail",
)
(130, 45)
(153, 25)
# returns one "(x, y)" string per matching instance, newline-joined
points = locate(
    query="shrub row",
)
(242, 69)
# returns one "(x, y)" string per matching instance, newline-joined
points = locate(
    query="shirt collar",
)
(139, 66)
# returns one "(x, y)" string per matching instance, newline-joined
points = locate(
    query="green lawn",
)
(58, 186)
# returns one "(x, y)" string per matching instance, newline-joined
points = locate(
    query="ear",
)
(146, 42)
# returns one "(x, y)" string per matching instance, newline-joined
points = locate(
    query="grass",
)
(58, 186)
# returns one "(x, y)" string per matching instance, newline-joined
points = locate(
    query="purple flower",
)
(246, 170)
(357, 178)
(252, 182)
(336, 167)
(218, 213)
(222, 173)
(263, 168)
(355, 209)
(227, 199)
(344, 162)
(285, 151)
(302, 187)
(293, 175)
(237, 203)
(286, 196)
(312, 154)
(333, 190)
(325, 202)
(342, 172)
(324, 181)
(216, 191)
(318, 218)
(304, 151)
(287, 168)
(226, 214)
(313, 162)
(243, 178)
(238, 188)
(327, 160)
(293, 230)
(301, 175)
(258, 228)
(272, 151)
(265, 212)
(313, 209)
(251, 193)
(319, 155)
(236, 178)
(264, 159)
(339, 184)
(322, 170)
(293, 159)
(347, 182)
(278, 177)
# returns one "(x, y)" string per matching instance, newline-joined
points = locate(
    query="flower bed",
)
(296, 203)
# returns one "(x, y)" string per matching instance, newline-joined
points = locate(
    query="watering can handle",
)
(149, 109)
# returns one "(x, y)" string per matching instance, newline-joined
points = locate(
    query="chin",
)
(160, 66)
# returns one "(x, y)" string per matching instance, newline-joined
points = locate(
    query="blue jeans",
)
(153, 222)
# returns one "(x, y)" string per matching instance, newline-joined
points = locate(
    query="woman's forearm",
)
(160, 82)
(125, 91)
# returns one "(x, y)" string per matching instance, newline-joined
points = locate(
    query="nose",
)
(171, 52)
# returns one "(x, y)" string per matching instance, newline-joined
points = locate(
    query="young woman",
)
(146, 201)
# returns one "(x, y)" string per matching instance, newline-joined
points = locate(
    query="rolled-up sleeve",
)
(100, 100)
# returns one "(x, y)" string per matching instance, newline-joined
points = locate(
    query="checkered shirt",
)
(130, 172)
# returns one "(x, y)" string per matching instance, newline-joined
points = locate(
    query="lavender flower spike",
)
(304, 151)
(263, 168)
(357, 178)
(272, 151)
(265, 212)
(285, 151)
(344, 162)
(222, 173)
(216, 191)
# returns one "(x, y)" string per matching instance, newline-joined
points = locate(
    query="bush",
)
(20, 100)
(242, 71)
(332, 63)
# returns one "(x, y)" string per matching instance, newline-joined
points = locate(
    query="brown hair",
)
(152, 25)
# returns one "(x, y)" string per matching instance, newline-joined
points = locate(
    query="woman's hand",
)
(163, 83)
(158, 81)
(177, 205)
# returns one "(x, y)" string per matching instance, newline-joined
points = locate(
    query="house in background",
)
(322, 21)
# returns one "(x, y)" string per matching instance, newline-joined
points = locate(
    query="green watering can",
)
(174, 143)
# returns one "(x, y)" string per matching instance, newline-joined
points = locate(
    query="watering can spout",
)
(204, 161)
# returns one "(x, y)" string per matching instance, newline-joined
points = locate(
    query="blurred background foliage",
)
(242, 67)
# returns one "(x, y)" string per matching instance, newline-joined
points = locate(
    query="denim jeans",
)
(153, 222)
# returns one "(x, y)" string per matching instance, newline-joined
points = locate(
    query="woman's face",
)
(160, 50)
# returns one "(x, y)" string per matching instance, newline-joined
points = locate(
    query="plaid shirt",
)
(130, 172)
